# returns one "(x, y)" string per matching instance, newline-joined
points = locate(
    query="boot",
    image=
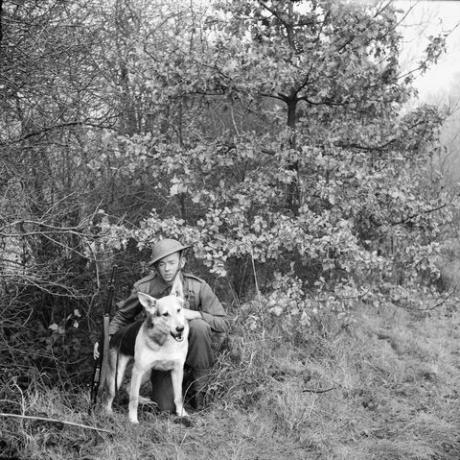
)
(162, 392)
(199, 388)
(198, 401)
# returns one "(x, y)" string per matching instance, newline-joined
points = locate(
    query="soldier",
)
(207, 319)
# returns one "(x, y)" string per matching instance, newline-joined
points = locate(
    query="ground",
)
(382, 385)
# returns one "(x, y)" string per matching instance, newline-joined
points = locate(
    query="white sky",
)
(430, 18)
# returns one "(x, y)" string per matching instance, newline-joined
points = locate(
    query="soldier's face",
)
(169, 266)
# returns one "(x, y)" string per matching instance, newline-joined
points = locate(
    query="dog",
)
(149, 350)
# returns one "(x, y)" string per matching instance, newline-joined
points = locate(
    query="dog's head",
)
(165, 315)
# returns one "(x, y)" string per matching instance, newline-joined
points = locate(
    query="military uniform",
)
(206, 334)
(198, 296)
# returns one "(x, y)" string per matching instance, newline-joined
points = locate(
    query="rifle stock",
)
(100, 366)
(105, 348)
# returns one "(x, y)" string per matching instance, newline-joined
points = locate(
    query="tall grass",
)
(384, 387)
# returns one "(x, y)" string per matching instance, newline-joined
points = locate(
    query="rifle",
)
(100, 365)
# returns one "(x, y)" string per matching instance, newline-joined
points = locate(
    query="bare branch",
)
(54, 420)
(312, 390)
(58, 126)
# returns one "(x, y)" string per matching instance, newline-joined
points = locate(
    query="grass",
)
(386, 386)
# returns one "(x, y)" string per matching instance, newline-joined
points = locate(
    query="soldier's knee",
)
(201, 335)
(199, 328)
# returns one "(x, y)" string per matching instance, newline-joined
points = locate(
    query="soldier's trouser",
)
(200, 358)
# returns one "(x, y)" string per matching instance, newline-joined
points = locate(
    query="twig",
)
(22, 396)
(233, 119)
(255, 275)
(312, 390)
(441, 302)
(53, 420)
(47, 129)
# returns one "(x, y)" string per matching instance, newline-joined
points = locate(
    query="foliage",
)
(276, 138)
(272, 135)
(341, 186)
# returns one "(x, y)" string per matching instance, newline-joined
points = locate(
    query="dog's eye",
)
(165, 314)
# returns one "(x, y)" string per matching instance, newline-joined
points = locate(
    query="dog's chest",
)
(168, 357)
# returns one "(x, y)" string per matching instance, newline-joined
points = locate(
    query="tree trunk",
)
(293, 192)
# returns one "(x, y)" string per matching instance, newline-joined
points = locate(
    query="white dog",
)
(141, 342)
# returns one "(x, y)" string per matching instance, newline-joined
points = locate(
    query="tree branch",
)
(288, 26)
(52, 128)
(311, 390)
(1, 21)
(371, 148)
(412, 216)
(54, 420)
(274, 96)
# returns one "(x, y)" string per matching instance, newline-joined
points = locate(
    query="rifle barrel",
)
(101, 363)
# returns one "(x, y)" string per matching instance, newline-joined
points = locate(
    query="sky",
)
(430, 18)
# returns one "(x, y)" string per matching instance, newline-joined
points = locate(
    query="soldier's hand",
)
(160, 331)
(192, 314)
(96, 351)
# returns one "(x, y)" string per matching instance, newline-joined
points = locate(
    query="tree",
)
(339, 178)
(271, 134)
(48, 101)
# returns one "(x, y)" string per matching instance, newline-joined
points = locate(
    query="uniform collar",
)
(163, 286)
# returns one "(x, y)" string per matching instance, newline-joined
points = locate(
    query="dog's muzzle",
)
(178, 335)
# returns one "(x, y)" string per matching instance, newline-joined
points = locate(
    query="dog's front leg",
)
(136, 380)
(177, 374)
(109, 383)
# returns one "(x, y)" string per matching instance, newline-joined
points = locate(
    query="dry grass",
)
(386, 387)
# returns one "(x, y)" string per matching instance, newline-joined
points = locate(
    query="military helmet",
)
(165, 248)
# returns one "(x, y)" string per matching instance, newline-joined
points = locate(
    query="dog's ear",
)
(177, 288)
(181, 301)
(149, 303)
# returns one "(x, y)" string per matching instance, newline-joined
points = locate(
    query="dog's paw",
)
(186, 421)
(182, 413)
(134, 421)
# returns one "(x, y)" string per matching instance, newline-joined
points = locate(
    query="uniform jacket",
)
(198, 296)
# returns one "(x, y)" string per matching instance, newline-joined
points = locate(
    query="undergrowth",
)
(382, 385)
